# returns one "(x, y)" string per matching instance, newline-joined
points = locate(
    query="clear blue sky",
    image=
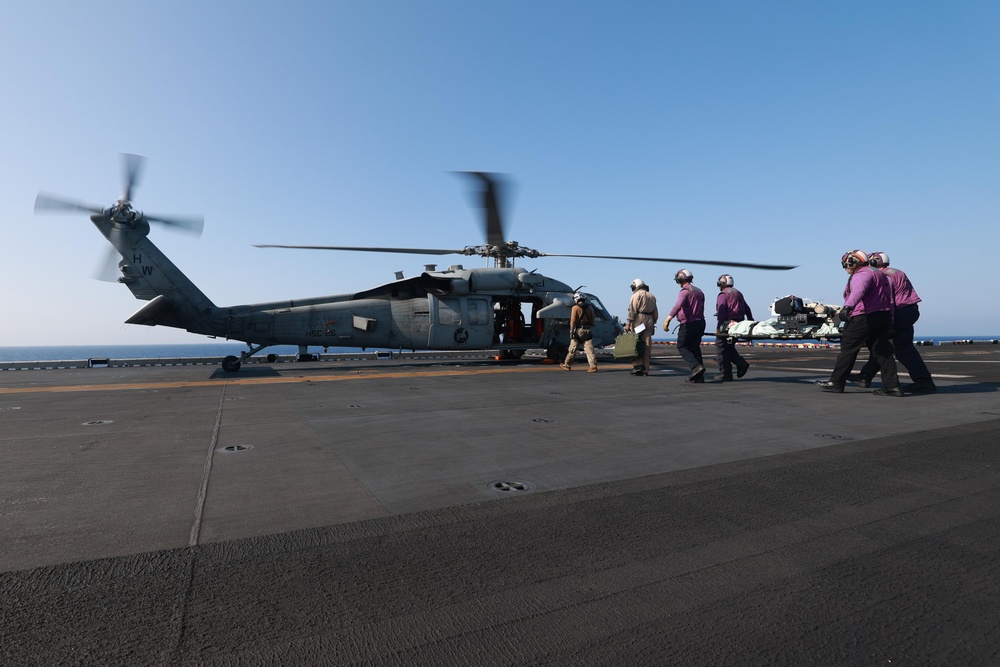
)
(783, 132)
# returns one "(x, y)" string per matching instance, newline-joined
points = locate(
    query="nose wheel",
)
(231, 364)
(557, 351)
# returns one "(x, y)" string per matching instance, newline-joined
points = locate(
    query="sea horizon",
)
(221, 349)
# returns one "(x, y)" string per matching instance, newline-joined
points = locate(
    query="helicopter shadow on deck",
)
(321, 368)
(246, 372)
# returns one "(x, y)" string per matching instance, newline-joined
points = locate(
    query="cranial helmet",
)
(637, 283)
(578, 296)
(683, 276)
(852, 259)
(725, 280)
(878, 259)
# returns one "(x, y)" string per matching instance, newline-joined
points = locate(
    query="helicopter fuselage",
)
(509, 309)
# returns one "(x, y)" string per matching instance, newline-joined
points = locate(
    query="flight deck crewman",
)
(690, 312)
(730, 306)
(581, 321)
(642, 313)
(868, 304)
(907, 313)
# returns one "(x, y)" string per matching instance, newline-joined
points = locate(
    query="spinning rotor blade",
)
(505, 252)
(44, 202)
(476, 251)
(108, 270)
(410, 251)
(132, 168)
(193, 224)
(742, 265)
(493, 224)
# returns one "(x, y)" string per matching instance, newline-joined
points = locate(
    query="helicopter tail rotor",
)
(121, 212)
(132, 166)
(120, 217)
(46, 202)
(191, 224)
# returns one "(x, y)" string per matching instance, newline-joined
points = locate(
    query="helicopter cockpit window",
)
(599, 310)
(449, 311)
(479, 314)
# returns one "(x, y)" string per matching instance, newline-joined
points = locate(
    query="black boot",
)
(831, 386)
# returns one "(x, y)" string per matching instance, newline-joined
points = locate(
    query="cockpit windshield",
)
(599, 310)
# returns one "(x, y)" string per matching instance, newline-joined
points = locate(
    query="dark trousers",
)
(870, 330)
(902, 346)
(689, 342)
(727, 355)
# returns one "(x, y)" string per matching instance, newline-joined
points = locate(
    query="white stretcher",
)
(794, 319)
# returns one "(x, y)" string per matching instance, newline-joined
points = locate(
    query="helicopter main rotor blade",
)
(132, 168)
(44, 202)
(490, 203)
(410, 251)
(742, 265)
(193, 224)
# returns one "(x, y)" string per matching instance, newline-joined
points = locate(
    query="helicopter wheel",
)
(557, 352)
(231, 364)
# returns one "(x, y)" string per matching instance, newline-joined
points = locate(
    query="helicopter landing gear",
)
(231, 364)
(557, 352)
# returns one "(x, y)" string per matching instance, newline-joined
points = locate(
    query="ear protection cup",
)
(853, 259)
(878, 259)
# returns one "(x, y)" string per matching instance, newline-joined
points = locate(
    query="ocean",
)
(219, 350)
(119, 352)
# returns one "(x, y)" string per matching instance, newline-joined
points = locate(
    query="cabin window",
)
(479, 314)
(449, 311)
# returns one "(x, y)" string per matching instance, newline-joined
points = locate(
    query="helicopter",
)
(505, 307)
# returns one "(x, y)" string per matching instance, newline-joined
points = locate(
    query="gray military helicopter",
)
(504, 307)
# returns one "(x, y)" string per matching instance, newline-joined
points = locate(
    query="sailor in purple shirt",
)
(868, 304)
(730, 306)
(907, 314)
(689, 309)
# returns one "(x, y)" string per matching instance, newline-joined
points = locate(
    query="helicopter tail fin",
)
(174, 301)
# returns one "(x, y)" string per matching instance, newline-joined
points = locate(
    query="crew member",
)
(868, 305)
(907, 313)
(689, 309)
(730, 306)
(581, 321)
(643, 316)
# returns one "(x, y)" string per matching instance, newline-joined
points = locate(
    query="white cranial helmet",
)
(878, 259)
(637, 283)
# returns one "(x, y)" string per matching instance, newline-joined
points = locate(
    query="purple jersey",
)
(731, 306)
(868, 291)
(690, 305)
(902, 289)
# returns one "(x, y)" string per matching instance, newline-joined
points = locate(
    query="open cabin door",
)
(460, 322)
